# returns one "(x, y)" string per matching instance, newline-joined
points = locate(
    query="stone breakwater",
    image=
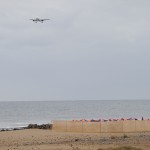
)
(36, 126)
(30, 126)
(128, 126)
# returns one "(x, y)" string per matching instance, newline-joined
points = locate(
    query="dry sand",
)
(36, 139)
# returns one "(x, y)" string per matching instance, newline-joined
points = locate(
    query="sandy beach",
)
(37, 139)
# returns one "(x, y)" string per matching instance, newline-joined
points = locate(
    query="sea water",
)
(20, 114)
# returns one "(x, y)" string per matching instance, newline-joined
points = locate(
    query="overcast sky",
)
(89, 50)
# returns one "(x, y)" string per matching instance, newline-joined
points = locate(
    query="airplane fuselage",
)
(38, 20)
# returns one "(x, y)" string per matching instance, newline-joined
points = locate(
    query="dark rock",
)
(18, 128)
(76, 140)
(32, 126)
(43, 126)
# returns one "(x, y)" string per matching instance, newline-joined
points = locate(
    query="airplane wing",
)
(44, 19)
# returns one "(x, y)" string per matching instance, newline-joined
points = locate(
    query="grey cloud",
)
(90, 49)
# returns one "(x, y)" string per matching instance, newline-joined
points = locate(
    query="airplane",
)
(38, 20)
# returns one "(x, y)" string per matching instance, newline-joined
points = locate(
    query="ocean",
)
(20, 114)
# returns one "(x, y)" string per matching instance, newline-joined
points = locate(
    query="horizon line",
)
(74, 100)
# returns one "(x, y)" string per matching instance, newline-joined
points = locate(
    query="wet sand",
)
(36, 139)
